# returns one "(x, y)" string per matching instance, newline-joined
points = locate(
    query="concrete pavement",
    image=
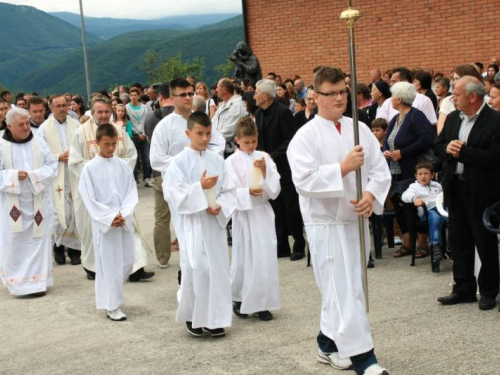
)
(62, 333)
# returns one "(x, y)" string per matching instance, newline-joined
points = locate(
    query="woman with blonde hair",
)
(202, 90)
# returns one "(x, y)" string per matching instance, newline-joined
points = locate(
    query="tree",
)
(174, 67)
(225, 70)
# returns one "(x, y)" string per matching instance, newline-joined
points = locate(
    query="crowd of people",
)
(250, 164)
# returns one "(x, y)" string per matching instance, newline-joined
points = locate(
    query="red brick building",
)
(294, 36)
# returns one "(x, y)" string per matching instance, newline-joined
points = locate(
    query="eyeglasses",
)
(185, 95)
(334, 93)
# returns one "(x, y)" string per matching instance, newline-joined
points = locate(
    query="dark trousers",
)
(142, 148)
(466, 231)
(288, 220)
(360, 362)
(399, 211)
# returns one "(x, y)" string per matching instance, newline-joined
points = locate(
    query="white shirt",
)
(421, 102)
(227, 115)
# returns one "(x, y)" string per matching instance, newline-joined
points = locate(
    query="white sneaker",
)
(334, 360)
(148, 183)
(116, 315)
(376, 369)
(162, 265)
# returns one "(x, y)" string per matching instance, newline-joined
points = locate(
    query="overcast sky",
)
(135, 9)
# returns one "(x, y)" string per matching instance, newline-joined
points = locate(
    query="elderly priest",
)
(27, 171)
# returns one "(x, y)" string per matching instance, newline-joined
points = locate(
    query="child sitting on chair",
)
(422, 192)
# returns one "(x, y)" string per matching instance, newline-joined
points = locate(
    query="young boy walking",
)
(254, 267)
(323, 161)
(197, 190)
(424, 192)
(109, 192)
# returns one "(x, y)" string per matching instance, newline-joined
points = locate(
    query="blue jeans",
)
(435, 221)
(142, 148)
(360, 362)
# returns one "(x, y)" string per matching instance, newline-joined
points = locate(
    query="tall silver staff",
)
(351, 16)
(85, 54)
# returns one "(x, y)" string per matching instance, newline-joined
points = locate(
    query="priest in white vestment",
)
(197, 190)
(323, 161)
(83, 149)
(58, 131)
(254, 262)
(27, 170)
(109, 192)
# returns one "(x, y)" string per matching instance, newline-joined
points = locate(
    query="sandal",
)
(421, 252)
(401, 252)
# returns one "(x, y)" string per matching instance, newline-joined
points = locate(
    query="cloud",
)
(148, 9)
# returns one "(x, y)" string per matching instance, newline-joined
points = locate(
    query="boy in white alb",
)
(323, 161)
(109, 191)
(254, 267)
(198, 193)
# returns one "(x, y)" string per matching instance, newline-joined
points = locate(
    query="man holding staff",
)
(323, 160)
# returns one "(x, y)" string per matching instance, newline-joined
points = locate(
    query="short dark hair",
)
(404, 73)
(363, 89)
(3, 93)
(272, 74)
(106, 130)
(423, 165)
(226, 82)
(200, 118)
(55, 96)
(103, 92)
(164, 90)
(425, 79)
(327, 74)
(137, 85)
(380, 123)
(19, 99)
(179, 82)
(245, 127)
(35, 100)
(489, 79)
(480, 65)
(136, 90)
(443, 81)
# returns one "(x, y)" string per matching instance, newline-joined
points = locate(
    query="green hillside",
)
(110, 27)
(118, 60)
(31, 38)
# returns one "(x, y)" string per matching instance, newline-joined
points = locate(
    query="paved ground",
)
(62, 333)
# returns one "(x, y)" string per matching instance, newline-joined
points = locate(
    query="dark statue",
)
(247, 64)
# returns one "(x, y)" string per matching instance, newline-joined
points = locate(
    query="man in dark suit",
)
(469, 146)
(277, 127)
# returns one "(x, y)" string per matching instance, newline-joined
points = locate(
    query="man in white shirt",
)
(229, 112)
(421, 102)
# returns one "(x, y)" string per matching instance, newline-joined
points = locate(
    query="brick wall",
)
(292, 37)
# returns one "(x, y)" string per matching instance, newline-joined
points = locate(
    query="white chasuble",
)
(26, 244)
(83, 149)
(107, 188)
(58, 136)
(254, 261)
(205, 293)
(315, 154)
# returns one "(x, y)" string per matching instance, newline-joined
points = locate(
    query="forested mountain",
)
(30, 38)
(110, 27)
(118, 60)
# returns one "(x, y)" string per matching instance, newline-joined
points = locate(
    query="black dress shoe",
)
(90, 274)
(455, 299)
(296, 256)
(487, 303)
(139, 275)
(236, 310)
(371, 264)
(59, 256)
(216, 332)
(74, 255)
